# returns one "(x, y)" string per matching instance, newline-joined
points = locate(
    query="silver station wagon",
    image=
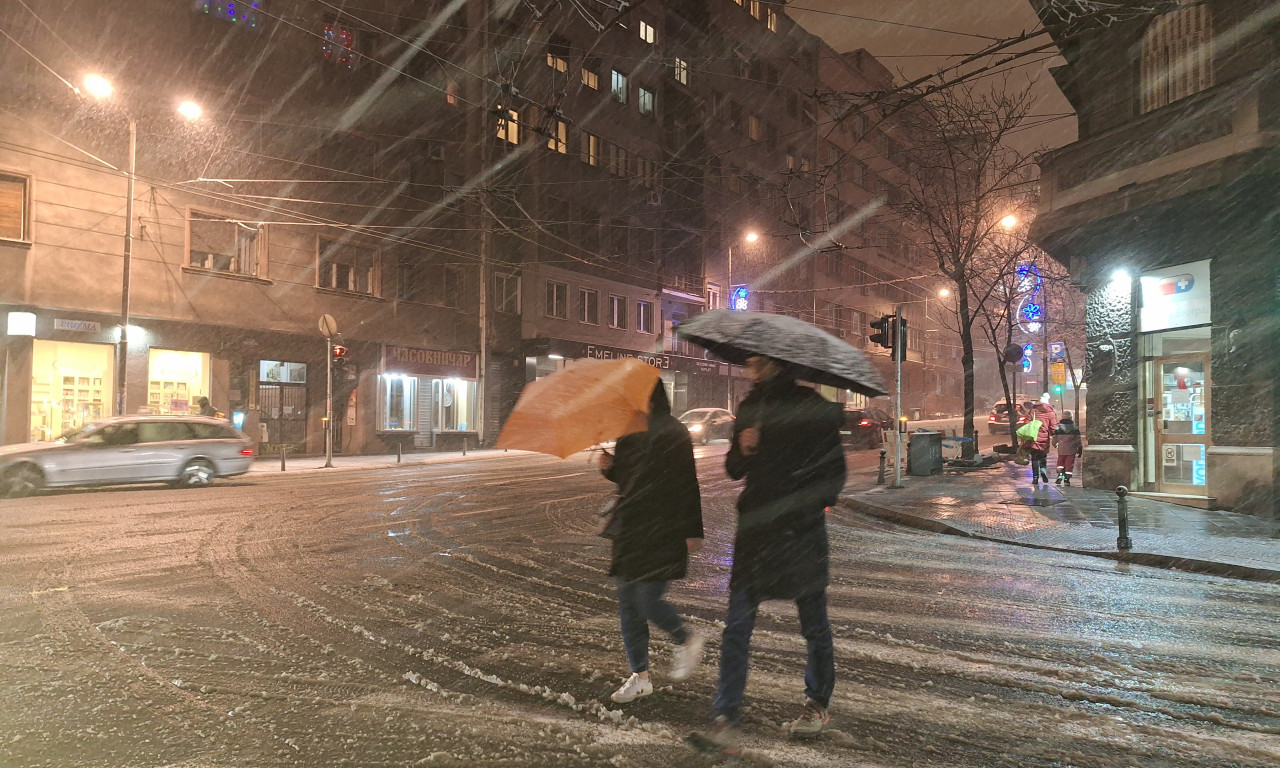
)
(184, 451)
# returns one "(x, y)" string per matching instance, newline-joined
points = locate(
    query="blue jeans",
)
(735, 647)
(640, 602)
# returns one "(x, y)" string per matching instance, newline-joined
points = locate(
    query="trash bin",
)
(924, 454)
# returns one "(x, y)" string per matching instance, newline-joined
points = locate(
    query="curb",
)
(1169, 562)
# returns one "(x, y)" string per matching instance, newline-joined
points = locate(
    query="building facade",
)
(1164, 211)
(473, 194)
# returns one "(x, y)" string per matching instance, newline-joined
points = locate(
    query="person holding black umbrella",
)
(786, 444)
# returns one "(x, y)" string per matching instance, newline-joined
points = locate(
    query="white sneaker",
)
(634, 688)
(687, 657)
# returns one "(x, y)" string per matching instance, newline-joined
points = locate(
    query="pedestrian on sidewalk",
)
(786, 443)
(1070, 444)
(1039, 448)
(656, 524)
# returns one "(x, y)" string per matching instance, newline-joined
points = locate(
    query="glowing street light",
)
(190, 110)
(98, 86)
(1009, 222)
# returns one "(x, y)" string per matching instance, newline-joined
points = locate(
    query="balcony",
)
(688, 285)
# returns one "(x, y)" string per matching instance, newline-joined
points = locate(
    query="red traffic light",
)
(339, 351)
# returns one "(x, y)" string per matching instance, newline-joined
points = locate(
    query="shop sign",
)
(656, 359)
(429, 362)
(81, 326)
(1175, 297)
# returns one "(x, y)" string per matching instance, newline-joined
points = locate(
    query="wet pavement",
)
(997, 503)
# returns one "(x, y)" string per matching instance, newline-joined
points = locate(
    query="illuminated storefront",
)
(176, 380)
(71, 383)
(427, 394)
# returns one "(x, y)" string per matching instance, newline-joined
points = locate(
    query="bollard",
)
(399, 450)
(282, 450)
(464, 445)
(1122, 508)
(880, 477)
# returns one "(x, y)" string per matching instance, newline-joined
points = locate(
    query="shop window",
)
(644, 316)
(278, 370)
(506, 294)
(681, 70)
(455, 401)
(588, 306)
(347, 266)
(397, 403)
(644, 101)
(221, 244)
(13, 208)
(509, 125)
(175, 380)
(557, 300)
(71, 385)
(618, 87)
(617, 312)
(559, 139)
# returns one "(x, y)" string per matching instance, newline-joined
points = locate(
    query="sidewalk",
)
(998, 504)
(270, 465)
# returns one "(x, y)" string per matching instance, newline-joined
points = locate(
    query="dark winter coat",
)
(659, 503)
(1048, 423)
(796, 472)
(1067, 438)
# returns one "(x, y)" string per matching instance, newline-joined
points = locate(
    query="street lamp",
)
(101, 89)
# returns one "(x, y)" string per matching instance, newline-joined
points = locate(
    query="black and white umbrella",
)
(818, 356)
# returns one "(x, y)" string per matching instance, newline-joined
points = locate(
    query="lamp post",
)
(101, 89)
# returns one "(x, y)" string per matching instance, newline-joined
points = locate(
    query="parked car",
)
(707, 424)
(998, 420)
(862, 427)
(185, 451)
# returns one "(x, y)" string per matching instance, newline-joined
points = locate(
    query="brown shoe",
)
(813, 718)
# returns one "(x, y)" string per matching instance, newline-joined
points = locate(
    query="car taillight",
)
(246, 451)
(864, 423)
(991, 418)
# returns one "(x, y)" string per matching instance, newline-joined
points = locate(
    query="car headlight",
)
(695, 427)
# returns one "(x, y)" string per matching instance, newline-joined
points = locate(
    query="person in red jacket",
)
(1039, 448)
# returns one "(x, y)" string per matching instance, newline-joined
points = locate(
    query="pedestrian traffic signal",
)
(884, 328)
(338, 353)
(900, 339)
(1057, 390)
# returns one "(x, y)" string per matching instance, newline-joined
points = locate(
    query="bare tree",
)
(964, 179)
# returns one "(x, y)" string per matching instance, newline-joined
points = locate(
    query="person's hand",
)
(749, 440)
(693, 544)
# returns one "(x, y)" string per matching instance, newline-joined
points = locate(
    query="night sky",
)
(893, 33)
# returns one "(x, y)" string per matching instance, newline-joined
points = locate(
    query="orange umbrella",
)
(586, 403)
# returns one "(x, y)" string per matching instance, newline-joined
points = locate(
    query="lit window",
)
(753, 128)
(644, 101)
(647, 33)
(559, 140)
(588, 306)
(509, 125)
(590, 152)
(771, 19)
(682, 71)
(617, 159)
(644, 316)
(619, 87)
(617, 312)
(1177, 56)
(506, 294)
(341, 46)
(557, 63)
(455, 401)
(13, 207)
(398, 402)
(590, 79)
(757, 9)
(220, 244)
(557, 300)
(451, 93)
(346, 266)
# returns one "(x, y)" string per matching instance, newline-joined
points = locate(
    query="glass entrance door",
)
(1182, 425)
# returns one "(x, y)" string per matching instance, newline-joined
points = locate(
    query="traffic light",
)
(884, 326)
(900, 339)
(1057, 389)
(338, 353)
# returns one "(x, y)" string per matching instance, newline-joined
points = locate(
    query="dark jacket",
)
(1068, 439)
(659, 503)
(796, 472)
(1048, 423)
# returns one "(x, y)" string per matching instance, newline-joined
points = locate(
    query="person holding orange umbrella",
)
(657, 523)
